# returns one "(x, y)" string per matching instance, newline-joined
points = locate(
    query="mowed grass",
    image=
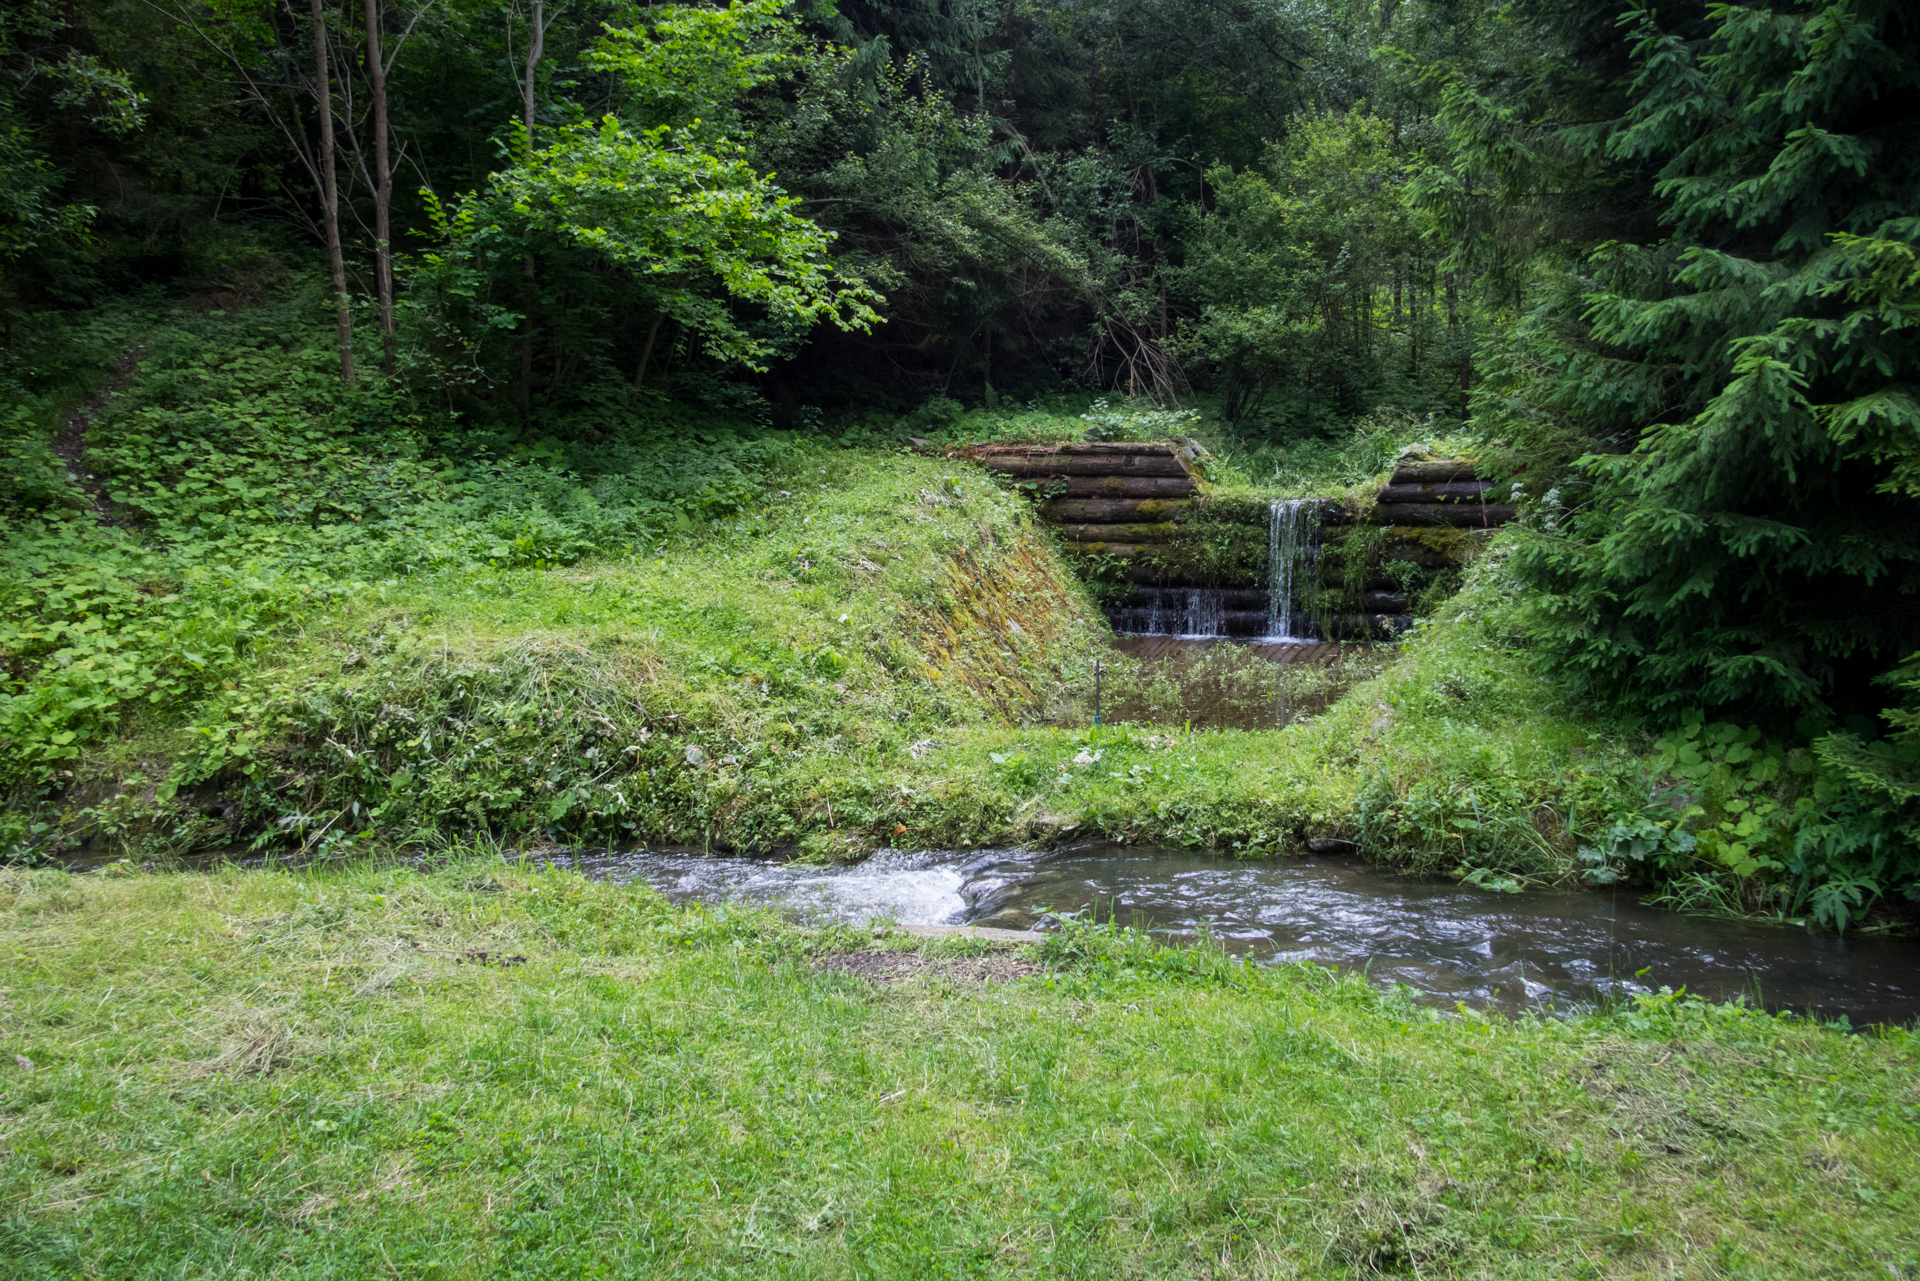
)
(319, 1074)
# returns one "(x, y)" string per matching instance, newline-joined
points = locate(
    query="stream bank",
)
(1543, 951)
(311, 1074)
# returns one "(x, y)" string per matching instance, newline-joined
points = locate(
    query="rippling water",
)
(1536, 950)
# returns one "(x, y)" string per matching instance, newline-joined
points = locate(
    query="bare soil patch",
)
(891, 967)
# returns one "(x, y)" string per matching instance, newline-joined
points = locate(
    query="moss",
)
(1218, 541)
(1457, 546)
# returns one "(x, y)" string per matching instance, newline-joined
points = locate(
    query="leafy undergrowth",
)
(251, 491)
(889, 655)
(886, 653)
(486, 1070)
(757, 682)
(325, 620)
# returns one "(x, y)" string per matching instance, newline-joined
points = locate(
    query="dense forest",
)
(430, 283)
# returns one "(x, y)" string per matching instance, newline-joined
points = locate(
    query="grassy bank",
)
(887, 653)
(355, 1073)
(320, 620)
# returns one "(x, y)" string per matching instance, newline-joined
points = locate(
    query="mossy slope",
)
(720, 690)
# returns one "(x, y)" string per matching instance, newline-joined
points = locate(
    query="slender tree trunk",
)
(382, 186)
(986, 368)
(646, 352)
(330, 193)
(536, 43)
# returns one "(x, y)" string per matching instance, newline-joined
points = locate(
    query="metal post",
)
(1096, 691)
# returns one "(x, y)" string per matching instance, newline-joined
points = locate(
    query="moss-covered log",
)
(1160, 532)
(1084, 465)
(1131, 510)
(1432, 472)
(1109, 486)
(1481, 515)
(1451, 492)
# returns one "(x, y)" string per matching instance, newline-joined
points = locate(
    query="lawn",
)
(482, 1069)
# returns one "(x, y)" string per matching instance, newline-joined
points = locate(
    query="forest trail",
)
(70, 443)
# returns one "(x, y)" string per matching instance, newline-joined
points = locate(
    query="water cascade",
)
(1291, 552)
(1178, 611)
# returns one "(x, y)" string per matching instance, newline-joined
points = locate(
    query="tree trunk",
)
(330, 193)
(646, 352)
(535, 46)
(382, 186)
(986, 368)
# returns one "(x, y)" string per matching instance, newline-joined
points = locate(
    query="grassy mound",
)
(320, 619)
(888, 652)
(726, 687)
(491, 1071)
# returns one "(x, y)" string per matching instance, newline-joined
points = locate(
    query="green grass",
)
(301, 1075)
(890, 656)
(322, 626)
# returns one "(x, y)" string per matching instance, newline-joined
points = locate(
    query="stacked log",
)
(1434, 492)
(1421, 505)
(1123, 499)
(1107, 498)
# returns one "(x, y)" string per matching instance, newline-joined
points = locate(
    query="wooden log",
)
(1063, 510)
(1125, 465)
(1176, 597)
(1418, 546)
(1466, 515)
(1162, 532)
(1120, 551)
(1106, 486)
(1451, 492)
(1436, 472)
(1091, 448)
(1232, 622)
(1151, 575)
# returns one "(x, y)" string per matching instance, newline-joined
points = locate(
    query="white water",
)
(1193, 613)
(1518, 952)
(1203, 613)
(1290, 557)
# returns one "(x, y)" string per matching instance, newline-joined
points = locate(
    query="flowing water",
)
(1195, 613)
(1544, 950)
(1275, 613)
(1291, 550)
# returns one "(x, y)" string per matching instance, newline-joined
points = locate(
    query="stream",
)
(1561, 951)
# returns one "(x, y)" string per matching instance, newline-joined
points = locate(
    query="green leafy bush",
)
(250, 487)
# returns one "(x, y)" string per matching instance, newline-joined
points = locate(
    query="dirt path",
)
(71, 440)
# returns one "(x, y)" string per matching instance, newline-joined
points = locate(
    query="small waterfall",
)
(1290, 559)
(1203, 613)
(1192, 612)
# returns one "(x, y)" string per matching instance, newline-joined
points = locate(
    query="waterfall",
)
(1290, 559)
(1203, 613)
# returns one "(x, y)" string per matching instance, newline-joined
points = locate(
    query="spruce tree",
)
(1744, 536)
